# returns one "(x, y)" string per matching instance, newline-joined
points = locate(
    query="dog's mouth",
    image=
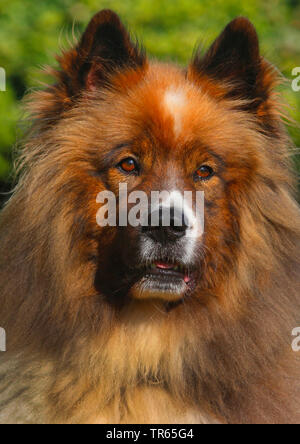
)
(165, 270)
(165, 280)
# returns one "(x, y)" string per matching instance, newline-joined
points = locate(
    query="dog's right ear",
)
(105, 47)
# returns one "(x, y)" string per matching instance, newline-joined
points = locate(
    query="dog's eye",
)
(128, 165)
(205, 172)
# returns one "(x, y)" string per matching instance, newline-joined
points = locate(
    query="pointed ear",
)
(105, 47)
(234, 63)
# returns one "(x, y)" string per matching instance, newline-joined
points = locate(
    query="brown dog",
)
(146, 325)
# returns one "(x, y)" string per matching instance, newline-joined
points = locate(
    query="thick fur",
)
(225, 354)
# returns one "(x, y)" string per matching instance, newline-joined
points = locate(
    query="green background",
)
(32, 32)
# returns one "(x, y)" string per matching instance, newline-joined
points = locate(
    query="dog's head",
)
(124, 288)
(198, 136)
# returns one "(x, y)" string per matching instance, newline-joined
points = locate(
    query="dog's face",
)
(167, 141)
(153, 258)
(156, 128)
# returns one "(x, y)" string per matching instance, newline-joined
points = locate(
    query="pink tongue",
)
(164, 266)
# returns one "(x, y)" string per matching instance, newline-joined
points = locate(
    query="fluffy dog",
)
(123, 324)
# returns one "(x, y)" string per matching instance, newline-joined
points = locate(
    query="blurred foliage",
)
(32, 32)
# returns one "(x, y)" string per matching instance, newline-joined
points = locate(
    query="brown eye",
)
(205, 172)
(128, 165)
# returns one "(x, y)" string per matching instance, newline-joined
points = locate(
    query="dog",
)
(143, 323)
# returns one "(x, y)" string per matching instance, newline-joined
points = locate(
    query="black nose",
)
(165, 225)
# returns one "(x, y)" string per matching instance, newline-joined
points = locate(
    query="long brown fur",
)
(222, 356)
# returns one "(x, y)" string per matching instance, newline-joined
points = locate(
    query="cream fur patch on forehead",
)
(175, 101)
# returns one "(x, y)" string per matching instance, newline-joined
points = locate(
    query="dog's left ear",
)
(235, 66)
